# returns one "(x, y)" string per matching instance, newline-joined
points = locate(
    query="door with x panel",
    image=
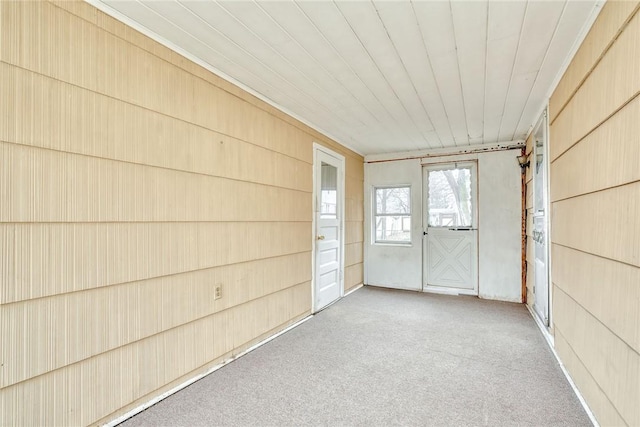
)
(451, 234)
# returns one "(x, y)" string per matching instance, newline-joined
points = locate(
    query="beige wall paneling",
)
(607, 157)
(614, 366)
(71, 257)
(135, 181)
(108, 128)
(353, 276)
(354, 232)
(530, 282)
(601, 35)
(529, 196)
(353, 254)
(611, 84)
(605, 223)
(140, 368)
(53, 186)
(48, 333)
(607, 289)
(599, 403)
(595, 191)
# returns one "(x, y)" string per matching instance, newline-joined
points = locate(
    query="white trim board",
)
(98, 4)
(353, 290)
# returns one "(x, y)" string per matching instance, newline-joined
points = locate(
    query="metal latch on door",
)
(320, 237)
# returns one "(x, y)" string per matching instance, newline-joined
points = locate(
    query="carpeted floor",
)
(384, 357)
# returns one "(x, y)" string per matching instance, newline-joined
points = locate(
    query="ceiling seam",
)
(486, 72)
(318, 62)
(276, 89)
(424, 45)
(407, 73)
(381, 73)
(281, 56)
(355, 73)
(464, 104)
(513, 66)
(546, 54)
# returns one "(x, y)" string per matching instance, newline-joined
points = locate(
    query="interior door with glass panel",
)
(328, 250)
(540, 235)
(451, 234)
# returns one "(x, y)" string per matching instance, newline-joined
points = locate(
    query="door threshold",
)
(455, 292)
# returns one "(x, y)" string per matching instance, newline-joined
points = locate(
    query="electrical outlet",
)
(218, 292)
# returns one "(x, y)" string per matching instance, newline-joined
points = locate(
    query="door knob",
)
(320, 237)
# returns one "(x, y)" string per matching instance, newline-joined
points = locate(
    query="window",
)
(329, 192)
(449, 200)
(392, 212)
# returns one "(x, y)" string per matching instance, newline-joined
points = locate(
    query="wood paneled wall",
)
(595, 216)
(132, 181)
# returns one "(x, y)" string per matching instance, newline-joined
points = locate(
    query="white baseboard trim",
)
(551, 342)
(353, 290)
(190, 381)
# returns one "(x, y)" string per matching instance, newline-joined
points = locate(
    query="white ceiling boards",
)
(381, 76)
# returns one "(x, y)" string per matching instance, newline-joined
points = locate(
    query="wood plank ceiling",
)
(381, 76)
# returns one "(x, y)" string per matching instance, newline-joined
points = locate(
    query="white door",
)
(540, 234)
(451, 234)
(328, 239)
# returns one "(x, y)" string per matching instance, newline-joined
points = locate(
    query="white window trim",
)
(375, 215)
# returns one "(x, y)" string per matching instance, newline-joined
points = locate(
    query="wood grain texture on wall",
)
(132, 182)
(595, 225)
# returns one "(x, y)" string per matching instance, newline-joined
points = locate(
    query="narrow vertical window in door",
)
(451, 229)
(329, 195)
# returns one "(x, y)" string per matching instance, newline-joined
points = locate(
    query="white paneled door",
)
(451, 243)
(329, 220)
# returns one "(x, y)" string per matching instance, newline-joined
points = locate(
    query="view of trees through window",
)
(450, 198)
(393, 214)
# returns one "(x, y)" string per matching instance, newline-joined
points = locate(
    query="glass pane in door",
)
(449, 198)
(329, 192)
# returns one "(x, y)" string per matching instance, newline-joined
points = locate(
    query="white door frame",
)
(473, 164)
(317, 148)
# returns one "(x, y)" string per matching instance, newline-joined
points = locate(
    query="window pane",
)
(450, 198)
(329, 193)
(395, 200)
(393, 229)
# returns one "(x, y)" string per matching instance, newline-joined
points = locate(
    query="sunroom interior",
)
(182, 181)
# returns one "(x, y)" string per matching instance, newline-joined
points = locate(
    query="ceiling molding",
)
(152, 35)
(442, 152)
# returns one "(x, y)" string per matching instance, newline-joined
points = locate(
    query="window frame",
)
(376, 215)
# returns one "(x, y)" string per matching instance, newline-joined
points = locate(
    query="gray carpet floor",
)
(384, 357)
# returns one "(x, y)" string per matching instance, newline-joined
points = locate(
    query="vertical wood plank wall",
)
(595, 216)
(132, 181)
